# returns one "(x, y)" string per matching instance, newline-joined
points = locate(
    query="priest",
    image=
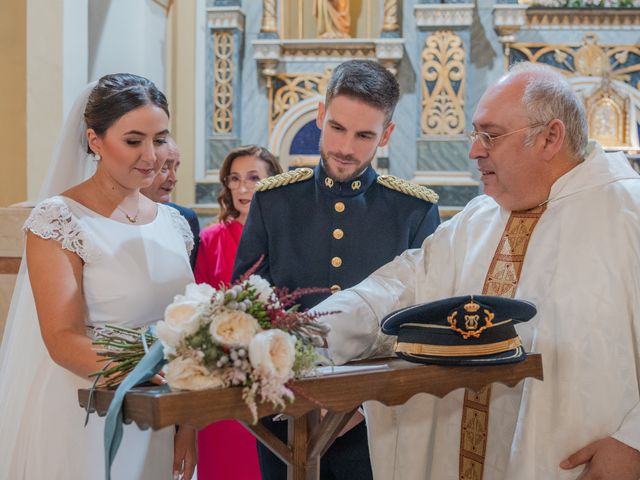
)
(559, 226)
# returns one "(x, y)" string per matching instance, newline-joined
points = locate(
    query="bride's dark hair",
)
(116, 95)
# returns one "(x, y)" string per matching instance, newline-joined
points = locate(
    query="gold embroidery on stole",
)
(501, 280)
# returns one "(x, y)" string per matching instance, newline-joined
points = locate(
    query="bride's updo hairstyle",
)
(116, 95)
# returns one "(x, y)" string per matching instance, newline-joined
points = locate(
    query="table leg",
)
(309, 437)
(304, 466)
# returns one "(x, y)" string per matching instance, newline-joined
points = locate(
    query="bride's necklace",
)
(132, 218)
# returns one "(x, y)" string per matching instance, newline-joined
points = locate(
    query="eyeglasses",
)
(487, 140)
(234, 181)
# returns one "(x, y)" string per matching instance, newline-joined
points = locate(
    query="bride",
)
(98, 253)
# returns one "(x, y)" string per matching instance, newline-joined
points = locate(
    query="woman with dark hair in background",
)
(98, 253)
(226, 449)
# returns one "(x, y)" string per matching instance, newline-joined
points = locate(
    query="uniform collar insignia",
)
(349, 188)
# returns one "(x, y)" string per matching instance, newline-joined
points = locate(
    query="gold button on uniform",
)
(338, 234)
(336, 261)
(339, 206)
(335, 288)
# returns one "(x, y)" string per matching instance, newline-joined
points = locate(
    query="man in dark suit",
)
(334, 225)
(161, 188)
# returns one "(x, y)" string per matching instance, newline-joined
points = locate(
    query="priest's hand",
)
(605, 459)
(185, 452)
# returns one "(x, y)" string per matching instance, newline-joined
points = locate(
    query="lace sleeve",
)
(52, 219)
(182, 226)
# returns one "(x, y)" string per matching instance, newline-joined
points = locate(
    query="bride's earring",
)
(97, 157)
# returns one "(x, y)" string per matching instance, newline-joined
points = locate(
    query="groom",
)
(332, 226)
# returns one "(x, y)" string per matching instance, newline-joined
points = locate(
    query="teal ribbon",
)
(149, 365)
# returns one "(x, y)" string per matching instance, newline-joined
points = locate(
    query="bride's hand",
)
(158, 379)
(185, 452)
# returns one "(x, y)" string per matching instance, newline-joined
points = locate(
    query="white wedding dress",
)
(130, 274)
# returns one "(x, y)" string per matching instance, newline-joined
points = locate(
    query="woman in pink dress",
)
(226, 449)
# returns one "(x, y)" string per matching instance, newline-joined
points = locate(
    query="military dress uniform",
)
(314, 231)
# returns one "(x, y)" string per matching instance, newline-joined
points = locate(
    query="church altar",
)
(390, 381)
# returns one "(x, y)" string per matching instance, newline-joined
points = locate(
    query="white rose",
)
(273, 352)
(233, 327)
(186, 373)
(202, 292)
(262, 287)
(180, 319)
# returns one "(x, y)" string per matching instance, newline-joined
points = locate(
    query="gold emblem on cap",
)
(339, 206)
(471, 322)
(356, 184)
(471, 307)
(328, 182)
(338, 234)
(336, 261)
(335, 288)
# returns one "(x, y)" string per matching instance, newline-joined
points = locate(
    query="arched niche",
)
(295, 124)
(295, 138)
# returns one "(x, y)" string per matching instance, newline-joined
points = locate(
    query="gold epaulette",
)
(286, 178)
(408, 188)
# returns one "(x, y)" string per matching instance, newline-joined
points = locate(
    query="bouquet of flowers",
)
(248, 335)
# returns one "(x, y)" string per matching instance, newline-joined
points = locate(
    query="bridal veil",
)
(22, 349)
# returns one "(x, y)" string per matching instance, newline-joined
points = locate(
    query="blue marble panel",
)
(206, 220)
(455, 195)
(401, 147)
(306, 141)
(254, 103)
(209, 62)
(443, 155)
(217, 149)
(207, 192)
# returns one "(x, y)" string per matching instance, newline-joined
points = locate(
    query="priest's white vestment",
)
(582, 271)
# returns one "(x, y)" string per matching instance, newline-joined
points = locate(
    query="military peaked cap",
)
(466, 330)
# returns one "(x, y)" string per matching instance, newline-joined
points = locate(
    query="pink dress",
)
(226, 450)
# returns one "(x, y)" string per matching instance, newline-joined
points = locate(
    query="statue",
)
(333, 18)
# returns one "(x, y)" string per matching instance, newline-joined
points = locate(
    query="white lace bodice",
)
(130, 272)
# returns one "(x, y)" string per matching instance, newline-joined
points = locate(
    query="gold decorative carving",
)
(223, 77)
(607, 115)
(587, 59)
(590, 58)
(325, 49)
(577, 18)
(443, 84)
(390, 19)
(287, 89)
(269, 17)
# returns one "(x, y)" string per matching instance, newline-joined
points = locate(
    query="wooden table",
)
(339, 394)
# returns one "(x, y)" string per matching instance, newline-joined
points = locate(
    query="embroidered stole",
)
(501, 280)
